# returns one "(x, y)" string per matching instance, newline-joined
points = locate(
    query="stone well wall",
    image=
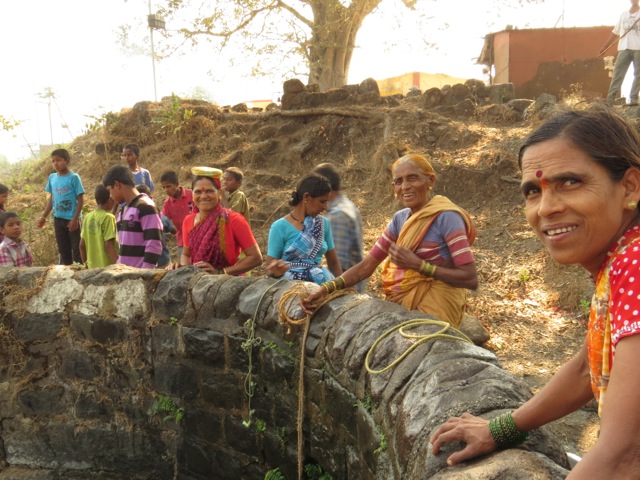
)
(129, 374)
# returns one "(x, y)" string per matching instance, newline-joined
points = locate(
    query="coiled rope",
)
(300, 291)
(418, 338)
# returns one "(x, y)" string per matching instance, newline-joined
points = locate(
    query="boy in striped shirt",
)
(138, 223)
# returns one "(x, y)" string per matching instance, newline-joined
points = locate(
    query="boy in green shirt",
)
(98, 244)
(231, 183)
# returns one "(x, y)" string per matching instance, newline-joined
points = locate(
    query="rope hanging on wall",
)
(300, 291)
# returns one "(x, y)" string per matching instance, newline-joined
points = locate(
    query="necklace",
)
(293, 216)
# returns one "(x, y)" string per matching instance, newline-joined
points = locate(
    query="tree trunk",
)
(333, 39)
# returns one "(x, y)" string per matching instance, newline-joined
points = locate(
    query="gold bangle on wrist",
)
(330, 286)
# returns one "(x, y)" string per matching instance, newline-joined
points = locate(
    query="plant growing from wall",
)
(281, 435)
(316, 472)
(274, 474)
(382, 446)
(165, 406)
(367, 403)
(261, 427)
(281, 351)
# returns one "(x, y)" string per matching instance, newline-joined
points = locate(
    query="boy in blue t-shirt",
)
(141, 176)
(65, 200)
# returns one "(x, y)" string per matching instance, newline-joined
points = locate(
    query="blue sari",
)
(301, 254)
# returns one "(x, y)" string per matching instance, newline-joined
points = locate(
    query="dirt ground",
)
(533, 308)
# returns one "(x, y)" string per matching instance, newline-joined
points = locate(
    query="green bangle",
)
(432, 272)
(427, 269)
(505, 433)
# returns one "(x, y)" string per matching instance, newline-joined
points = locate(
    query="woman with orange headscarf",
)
(425, 250)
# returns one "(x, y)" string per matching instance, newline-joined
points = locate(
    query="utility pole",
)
(48, 94)
(50, 122)
(155, 21)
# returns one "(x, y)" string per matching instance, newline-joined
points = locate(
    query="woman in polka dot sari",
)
(581, 184)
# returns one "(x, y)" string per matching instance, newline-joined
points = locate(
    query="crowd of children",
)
(136, 237)
(125, 226)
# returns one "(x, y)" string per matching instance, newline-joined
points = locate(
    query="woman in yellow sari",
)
(425, 250)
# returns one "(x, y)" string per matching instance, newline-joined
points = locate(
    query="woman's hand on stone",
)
(309, 303)
(173, 266)
(474, 431)
(207, 267)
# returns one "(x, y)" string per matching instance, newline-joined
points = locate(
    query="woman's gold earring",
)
(631, 205)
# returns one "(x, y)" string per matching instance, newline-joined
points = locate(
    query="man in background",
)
(627, 33)
(345, 220)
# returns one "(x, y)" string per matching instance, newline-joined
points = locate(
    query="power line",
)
(64, 124)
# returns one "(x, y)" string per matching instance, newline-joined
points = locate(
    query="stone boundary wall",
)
(468, 99)
(88, 357)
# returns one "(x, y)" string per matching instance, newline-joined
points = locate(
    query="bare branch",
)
(248, 18)
(295, 13)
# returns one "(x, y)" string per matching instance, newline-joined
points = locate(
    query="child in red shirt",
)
(178, 205)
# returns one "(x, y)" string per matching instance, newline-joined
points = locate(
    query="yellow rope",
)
(419, 339)
(299, 290)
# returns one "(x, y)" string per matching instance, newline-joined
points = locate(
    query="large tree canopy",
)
(315, 39)
(320, 33)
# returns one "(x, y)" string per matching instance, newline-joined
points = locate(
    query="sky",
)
(70, 46)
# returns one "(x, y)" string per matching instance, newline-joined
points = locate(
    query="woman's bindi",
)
(544, 183)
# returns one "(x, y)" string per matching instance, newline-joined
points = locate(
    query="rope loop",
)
(417, 338)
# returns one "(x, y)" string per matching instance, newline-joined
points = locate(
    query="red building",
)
(549, 60)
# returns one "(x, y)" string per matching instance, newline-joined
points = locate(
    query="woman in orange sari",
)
(425, 250)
